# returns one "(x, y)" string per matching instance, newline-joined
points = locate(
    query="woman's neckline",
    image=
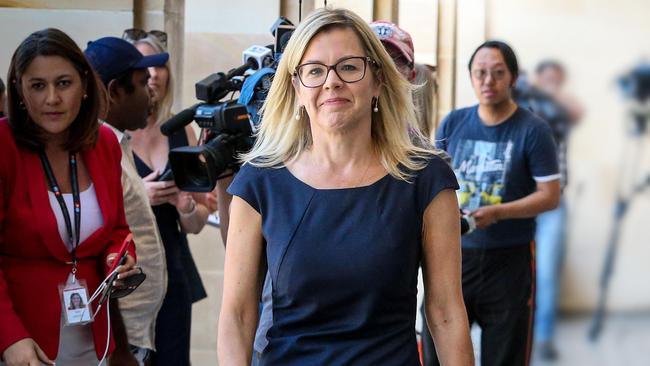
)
(507, 119)
(85, 191)
(375, 183)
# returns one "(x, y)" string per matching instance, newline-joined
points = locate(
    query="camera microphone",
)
(178, 121)
(260, 55)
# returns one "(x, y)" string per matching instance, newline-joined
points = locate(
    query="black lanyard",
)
(54, 186)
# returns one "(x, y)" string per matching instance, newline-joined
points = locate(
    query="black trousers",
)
(499, 290)
(173, 326)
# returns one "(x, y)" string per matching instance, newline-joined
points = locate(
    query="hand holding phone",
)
(121, 255)
(167, 175)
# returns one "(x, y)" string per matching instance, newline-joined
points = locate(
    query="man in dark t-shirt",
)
(505, 161)
(498, 164)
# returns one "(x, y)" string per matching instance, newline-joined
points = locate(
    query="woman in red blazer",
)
(53, 102)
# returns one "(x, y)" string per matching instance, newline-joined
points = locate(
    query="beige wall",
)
(216, 33)
(420, 19)
(81, 22)
(597, 40)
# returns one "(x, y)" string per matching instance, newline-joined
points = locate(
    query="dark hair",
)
(84, 130)
(72, 304)
(2, 88)
(124, 81)
(549, 64)
(506, 51)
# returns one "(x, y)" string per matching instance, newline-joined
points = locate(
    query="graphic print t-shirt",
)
(498, 164)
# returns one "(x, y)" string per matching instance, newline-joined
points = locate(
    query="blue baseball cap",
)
(112, 56)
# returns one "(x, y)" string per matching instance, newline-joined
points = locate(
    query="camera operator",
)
(177, 212)
(123, 70)
(504, 158)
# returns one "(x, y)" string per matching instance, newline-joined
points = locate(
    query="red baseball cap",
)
(389, 33)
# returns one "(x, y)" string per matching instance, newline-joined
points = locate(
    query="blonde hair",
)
(281, 137)
(424, 99)
(163, 108)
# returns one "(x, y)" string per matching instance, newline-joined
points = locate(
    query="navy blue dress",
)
(343, 264)
(184, 286)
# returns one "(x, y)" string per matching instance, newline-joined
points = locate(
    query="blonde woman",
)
(177, 213)
(343, 207)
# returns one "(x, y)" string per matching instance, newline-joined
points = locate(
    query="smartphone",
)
(167, 175)
(121, 255)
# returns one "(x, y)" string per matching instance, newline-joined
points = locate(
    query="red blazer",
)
(32, 255)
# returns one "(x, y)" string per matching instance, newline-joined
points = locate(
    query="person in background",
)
(563, 115)
(504, 158)
(177, 212)
(123, 72)
(333, 144)
(424, 98)
(62, 215)
(550, 77)
(398, 44)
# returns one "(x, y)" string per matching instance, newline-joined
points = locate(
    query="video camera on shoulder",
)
(228, 126)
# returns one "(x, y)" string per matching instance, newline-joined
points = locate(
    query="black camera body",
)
(227, 127)
(228, 133)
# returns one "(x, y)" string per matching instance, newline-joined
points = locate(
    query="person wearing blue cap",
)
(123, 71)
(177, 213)
(114, 56)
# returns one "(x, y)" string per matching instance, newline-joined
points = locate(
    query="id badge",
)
(74, 302)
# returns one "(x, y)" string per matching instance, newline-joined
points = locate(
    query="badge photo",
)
(75, 305)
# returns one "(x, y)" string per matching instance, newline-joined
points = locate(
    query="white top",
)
(91, 215)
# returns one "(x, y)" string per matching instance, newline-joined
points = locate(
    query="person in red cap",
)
(399, 45)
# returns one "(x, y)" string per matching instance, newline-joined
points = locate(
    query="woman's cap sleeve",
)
(246, 185)
(435, 177)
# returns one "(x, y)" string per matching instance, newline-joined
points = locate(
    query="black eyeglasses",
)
(136, 34)
(496, 74)
(349, 70)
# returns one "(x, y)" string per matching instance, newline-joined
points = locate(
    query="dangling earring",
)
(299, 113)
(21, 105)
(375, 104)
(85, 96)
